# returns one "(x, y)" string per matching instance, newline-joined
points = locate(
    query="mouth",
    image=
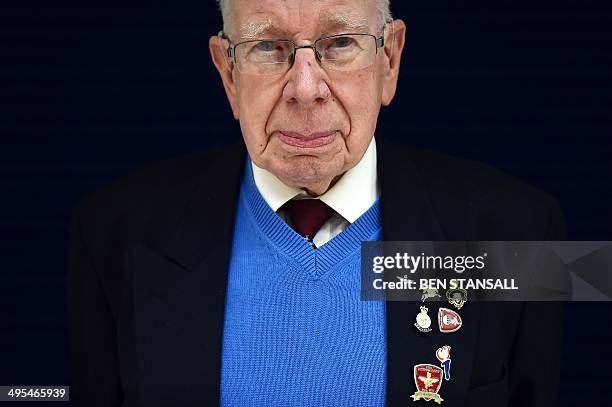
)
(311, 140)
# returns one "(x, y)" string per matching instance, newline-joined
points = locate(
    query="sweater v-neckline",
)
(315, 261)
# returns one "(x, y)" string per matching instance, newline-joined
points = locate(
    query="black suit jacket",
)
(148, 267)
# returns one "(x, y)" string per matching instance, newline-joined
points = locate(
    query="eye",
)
(342, 42)
(267, 51)
(266, 46)
(341, 49)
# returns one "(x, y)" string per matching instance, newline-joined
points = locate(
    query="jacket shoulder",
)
(148, 202)
(470, 179)
(155, 183)
(476, 196)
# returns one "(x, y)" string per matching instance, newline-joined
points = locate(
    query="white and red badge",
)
(428, 380)
(448, 320)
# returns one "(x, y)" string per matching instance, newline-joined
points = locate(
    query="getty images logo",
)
(411, 263)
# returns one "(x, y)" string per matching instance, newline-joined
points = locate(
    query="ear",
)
(395, 33)
(225, 66)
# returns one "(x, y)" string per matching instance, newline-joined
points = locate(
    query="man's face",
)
(308, 125)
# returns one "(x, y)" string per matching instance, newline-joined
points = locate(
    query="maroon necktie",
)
(307, 215)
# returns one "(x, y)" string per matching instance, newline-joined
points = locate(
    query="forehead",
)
(253, 18)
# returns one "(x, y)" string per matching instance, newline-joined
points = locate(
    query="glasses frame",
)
(379, 42)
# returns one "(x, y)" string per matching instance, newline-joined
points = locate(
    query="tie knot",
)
(307, 215)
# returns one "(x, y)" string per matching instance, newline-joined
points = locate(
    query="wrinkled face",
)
(308, 125)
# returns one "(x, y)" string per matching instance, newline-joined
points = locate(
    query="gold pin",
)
(456, 297)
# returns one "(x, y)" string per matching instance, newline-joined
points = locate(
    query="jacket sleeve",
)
(95, 371)
(534, 364)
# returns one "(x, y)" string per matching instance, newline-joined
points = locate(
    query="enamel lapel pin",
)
(428, 378)
(448, 320)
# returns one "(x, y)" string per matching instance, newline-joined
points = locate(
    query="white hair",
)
(383, 7)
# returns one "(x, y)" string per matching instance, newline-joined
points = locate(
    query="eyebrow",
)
(253, 29)
(351, 22)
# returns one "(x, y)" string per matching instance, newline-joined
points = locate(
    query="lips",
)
(311, 140)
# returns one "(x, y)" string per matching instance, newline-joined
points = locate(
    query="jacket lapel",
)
(408, 215)
(179, 291)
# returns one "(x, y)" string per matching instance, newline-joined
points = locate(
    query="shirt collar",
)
(353, 194)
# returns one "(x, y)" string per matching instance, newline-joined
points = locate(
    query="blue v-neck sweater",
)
(296, 332)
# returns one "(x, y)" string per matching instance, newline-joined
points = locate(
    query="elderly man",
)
(232, 277)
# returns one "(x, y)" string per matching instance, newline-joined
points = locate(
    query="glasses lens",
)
(347, 52)
(266, 57)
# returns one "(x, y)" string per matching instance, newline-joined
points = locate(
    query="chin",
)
(304, 171)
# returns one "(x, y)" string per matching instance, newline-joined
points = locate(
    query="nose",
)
(306, 84)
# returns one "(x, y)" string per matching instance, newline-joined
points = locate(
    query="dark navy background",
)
(92, 89)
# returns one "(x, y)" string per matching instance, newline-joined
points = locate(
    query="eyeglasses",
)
(342, 52)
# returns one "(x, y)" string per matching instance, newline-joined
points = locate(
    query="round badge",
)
(423, 322)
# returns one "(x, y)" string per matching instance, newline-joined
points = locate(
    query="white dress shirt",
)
(353, 194)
